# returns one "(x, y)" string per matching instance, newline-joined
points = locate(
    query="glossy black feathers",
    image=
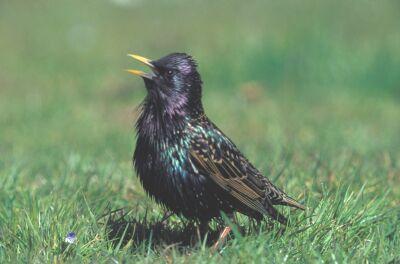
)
(185, 162)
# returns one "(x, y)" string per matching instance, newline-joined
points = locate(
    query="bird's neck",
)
(159, 119)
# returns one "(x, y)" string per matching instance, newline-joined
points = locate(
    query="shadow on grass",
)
(122, 230)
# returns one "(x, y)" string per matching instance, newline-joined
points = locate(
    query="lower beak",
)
(144, 61)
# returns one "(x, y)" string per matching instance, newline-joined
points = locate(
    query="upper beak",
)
(144, 61)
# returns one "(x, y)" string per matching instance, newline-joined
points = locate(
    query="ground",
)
(309, 92)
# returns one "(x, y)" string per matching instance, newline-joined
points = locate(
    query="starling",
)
(184, 161)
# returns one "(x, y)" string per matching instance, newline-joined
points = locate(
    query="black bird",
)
(184, 161)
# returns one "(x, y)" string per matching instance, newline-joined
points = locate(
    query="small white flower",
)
(70, 238)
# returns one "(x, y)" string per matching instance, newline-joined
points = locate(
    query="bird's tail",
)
(276, 215)
(279, 197)
(292, 202)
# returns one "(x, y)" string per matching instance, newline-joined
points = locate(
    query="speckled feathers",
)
(185, 162)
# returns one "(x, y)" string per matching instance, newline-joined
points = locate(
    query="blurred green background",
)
(62, 79)
(313, 86)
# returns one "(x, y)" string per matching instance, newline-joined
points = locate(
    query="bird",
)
(185, 162)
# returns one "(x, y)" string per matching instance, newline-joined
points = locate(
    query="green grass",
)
(310, 91)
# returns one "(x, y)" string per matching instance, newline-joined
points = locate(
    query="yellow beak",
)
(144, 61)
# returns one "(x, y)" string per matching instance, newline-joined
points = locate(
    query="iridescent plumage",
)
(185, 162)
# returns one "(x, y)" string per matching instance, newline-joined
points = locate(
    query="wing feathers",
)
(226, 166)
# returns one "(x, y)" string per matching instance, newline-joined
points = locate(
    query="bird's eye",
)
(168, 74)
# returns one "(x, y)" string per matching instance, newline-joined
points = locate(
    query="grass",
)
(309, 91)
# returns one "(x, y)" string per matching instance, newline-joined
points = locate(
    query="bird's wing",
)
(216, 156)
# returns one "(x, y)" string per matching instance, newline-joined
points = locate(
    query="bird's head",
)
(174, 83)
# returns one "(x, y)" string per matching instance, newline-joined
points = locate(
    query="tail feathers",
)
(279, 197)
(292, 202)
(285, 200)
(276, 215)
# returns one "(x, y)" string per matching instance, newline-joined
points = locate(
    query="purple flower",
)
(70, 238)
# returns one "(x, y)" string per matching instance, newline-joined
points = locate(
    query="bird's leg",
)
(222, 238)
(224, 233)
(203, 228)
(165, 217)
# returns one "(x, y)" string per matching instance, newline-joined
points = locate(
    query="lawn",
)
(309, 91)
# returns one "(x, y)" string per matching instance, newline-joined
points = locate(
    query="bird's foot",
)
(221, 239)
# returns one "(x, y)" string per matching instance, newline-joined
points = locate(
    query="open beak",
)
(144, 61)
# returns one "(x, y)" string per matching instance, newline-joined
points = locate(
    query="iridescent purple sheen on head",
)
(185, 67)
(174, 93)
